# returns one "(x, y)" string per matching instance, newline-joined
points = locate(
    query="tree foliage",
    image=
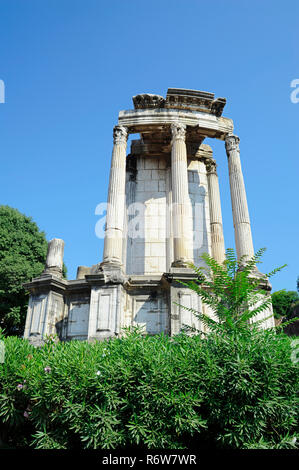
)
(234, 291)
(284, 302)
(23, 249)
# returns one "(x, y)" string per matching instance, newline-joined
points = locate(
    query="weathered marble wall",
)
(198, 193)
(150, 196)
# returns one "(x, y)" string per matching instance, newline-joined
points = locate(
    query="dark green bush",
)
(23, 250)
(284, 302)
(154, 392)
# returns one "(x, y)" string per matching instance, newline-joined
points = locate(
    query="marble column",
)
(217, 239)
(243, 236)
(182, 229)
(54, 260)
(116, 199)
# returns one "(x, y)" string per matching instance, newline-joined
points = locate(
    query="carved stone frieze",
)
(194, 100)
(218, 106)
(178, 98)
(148, 101)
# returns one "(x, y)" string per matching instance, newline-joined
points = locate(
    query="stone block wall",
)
(150, 197)
(199, 197)
(148, 253)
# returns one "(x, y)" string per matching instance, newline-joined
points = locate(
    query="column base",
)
(53, 271)
(112, 270)
(181, 270)
(111, 262)
(264, 281)
(181, 263)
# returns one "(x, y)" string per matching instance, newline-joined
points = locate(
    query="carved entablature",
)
(139, 147)
(195, 150)
(178, 98)
(194, 100)
(148, 101)
(218, 106)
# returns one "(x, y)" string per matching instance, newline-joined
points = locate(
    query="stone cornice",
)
(144, 281)
(95, 279)
(180, 274)
(140, 120)
(78, 285)
(51, 282)
(194, 100)
(113, 276)
(46, 282)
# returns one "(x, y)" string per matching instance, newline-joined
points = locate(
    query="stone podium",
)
(164, 211)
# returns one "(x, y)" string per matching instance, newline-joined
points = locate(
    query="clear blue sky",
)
(69, 66)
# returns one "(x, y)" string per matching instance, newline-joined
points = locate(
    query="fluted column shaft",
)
(217, 239)
(243, 236)
(54, 260)
(116, 199)
(180, 195)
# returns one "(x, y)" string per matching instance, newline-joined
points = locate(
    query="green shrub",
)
(236, 387)
(284, 303)
(153, 392)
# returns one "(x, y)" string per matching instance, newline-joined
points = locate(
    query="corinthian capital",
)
(178, 131)
(232, 143)
(120, 135)
(211, 166)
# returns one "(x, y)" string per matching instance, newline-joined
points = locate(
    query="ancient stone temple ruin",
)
(163, 211)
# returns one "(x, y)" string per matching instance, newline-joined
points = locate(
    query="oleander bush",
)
(224, 391)
(235, 387)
